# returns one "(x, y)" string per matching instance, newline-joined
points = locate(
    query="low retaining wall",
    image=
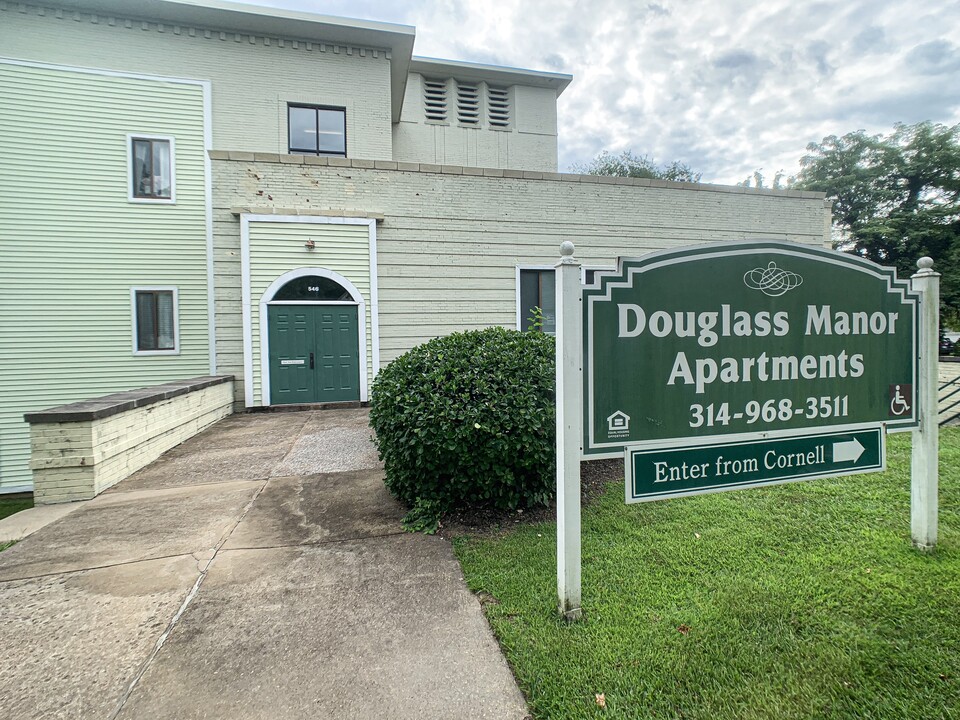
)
(79, 450)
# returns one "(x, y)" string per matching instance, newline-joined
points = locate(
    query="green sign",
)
(655, 473)
(745, 338)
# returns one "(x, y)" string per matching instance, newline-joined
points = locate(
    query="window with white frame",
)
(155, 320)
(537, 290)
(151, 168)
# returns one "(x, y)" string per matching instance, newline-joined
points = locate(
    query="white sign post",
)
(569, 429)
(924, 461)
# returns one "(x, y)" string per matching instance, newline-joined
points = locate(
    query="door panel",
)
(339, 358)
(290, 332)
(331, 334)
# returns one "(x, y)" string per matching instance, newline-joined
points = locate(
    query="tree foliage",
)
(895, 198)
(758, 180)
(626, 164)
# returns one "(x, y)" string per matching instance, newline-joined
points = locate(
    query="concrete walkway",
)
(257, 571)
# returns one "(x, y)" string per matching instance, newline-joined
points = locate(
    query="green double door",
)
(314, 353)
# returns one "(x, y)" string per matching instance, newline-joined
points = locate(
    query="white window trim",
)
(176, 318)
(172, 200)
(521, 319)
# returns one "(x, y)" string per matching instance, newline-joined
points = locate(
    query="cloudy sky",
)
(726, 86)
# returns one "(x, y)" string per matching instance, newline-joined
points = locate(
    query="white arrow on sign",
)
(849, 451)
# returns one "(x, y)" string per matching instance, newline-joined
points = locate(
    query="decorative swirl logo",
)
(771, 280)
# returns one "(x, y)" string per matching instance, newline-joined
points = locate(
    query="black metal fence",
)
(948, 395)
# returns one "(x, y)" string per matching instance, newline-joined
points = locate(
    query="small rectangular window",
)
(538, 290)
(315, 130)
(151, 168)
(155, 321)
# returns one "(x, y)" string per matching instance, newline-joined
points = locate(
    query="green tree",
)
(758, 180)
(626, 164)
(895, 198)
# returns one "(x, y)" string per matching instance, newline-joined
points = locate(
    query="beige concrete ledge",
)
(532, 175)
(306, 212)
(77, 451)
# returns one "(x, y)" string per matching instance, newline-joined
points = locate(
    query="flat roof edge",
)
(497, 73)
(225, 15)
(228, 15)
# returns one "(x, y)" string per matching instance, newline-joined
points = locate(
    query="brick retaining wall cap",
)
(108, 405)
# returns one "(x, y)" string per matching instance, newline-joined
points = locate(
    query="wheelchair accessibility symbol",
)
(900, 396)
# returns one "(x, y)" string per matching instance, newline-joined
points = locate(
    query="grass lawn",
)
(798, 601)
(9, 506)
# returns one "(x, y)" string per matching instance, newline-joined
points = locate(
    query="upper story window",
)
(151, 168)
(316, 130)
(435, 99)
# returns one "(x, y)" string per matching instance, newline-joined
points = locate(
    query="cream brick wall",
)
(79, 460)
(253, 77)
(452, 237)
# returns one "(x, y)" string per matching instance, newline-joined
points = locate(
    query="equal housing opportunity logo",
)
(618, 425)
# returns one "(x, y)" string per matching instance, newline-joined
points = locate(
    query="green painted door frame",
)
(314, 353)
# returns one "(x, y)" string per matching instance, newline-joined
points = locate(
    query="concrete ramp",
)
(257, 571)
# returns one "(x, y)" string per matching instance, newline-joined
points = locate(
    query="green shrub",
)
(468, 420)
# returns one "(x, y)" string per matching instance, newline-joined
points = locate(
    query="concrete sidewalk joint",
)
(183, 607)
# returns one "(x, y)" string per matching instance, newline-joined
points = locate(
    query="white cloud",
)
(725, 87)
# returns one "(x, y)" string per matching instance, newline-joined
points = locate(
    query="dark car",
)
(946, 345)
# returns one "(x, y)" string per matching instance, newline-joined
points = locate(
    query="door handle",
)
(311, 361)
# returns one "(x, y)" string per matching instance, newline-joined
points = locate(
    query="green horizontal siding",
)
(72, 246)
(278, 247)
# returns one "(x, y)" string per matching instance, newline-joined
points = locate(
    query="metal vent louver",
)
(498, 107)
(435, 99)
(468, 103)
